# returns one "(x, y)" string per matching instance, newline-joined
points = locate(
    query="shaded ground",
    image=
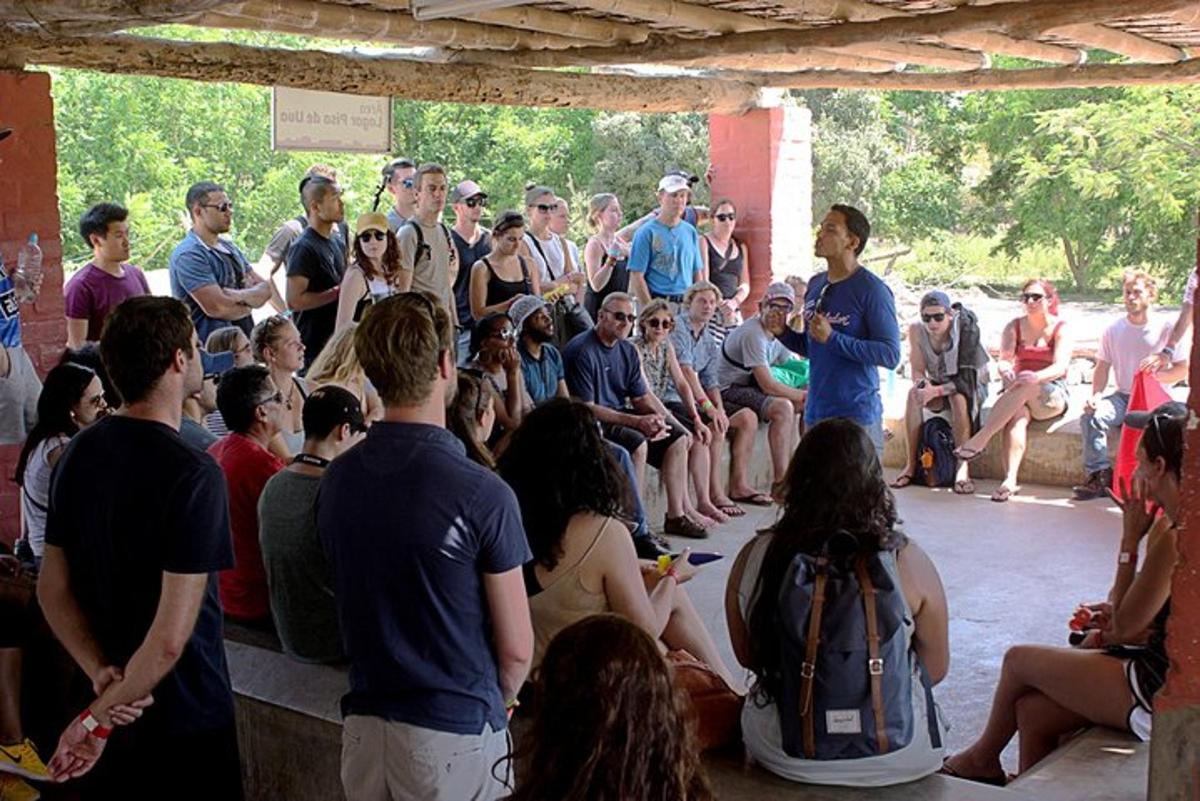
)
(1013, 574)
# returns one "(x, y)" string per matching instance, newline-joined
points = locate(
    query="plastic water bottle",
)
(27, 280)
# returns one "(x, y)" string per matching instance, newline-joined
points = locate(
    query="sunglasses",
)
(658, 322)
(934, 318)
(546, 208)
(505, 334)
(819, 306)
(622, 317)
(213, 377)
(407, 183)
(1032, 297)
(472, 202)
(276, 398)
(221, 207)
(725, 217)
(367, 236)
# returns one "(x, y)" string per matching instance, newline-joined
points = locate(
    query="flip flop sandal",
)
(1002, 494)
(757, 499)
(966, 487)
(994, 781)
(901, 481)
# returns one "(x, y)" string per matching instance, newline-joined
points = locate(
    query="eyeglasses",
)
(934, 318)
(505, 334)
(1032, 297)
(725, 217)
(622, 317)
(658, 322)
(547, 208)
(221, 207)
(213, 377)
(276, 398)
(367, 236)
(779, 307)
(472, 202)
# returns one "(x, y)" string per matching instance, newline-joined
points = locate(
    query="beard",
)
(541, 335)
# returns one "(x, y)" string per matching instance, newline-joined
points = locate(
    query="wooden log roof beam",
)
(925, 55)
(1101, 37)
(314, 18)
(572, 26)
(373, 75)
(1020, 20)
(88, 16)
(1078, 77)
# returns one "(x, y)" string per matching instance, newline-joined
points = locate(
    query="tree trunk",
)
(1078, 263)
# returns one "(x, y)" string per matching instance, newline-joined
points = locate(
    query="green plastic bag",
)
(792, 373)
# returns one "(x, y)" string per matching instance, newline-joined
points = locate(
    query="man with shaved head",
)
(316, 264)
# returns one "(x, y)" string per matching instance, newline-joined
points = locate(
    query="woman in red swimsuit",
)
(1035, 351)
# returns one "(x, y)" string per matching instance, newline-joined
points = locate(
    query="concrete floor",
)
(1013, 574)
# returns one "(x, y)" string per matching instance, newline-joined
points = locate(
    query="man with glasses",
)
(1126, 347)
(253, 409)
(128, 582)
(208, 272)
(664, 259)
(299, 576)
(747, 355)
(427, 549)
(851, 328)
(604, 371)
(398, 180)
(316, 265)
(198, 406)
(472, 242)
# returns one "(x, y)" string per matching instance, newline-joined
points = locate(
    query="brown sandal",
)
(683, 526)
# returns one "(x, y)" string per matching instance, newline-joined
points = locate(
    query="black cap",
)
(1140, 420)
(330, 407)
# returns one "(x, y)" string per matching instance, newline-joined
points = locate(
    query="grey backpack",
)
(847, 671)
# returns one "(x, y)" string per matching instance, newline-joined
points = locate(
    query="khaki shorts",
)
(384, 760)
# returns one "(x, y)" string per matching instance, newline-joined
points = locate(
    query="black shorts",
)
(631, 439)
(682, 415)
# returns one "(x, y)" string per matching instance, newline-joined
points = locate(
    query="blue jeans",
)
(463, 346)
(634, 503)
(1109, 414)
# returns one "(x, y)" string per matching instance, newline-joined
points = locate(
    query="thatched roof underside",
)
(647, 55)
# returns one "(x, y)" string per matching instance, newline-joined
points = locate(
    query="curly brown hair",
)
(389, 264)
(609, 723)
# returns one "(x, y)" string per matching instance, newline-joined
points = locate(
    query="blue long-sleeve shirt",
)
(844, 379)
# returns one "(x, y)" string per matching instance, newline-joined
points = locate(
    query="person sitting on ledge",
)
(839, 512)
(569, 490)
(934, 350)
(471, 416)
(1047, 692)
(299, 577)
(1035, 351)
(608, 721)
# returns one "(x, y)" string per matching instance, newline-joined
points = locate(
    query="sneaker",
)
(1096, 486)
(651, 546)
(13, 789)
(684, 526)
(22, 759)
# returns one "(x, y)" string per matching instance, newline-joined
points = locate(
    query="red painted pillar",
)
(29, 204)
(762, 161)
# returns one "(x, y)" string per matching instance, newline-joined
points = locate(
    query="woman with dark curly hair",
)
(570, 491)
(834, 488)
(371, 276)
(609, 724)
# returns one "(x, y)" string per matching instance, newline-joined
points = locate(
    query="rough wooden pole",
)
(99, 16)
(368, 75)
(1021, 20)
(1128, 44)
(572, 26)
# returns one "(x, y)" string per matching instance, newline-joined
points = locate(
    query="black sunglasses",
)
(472, 202)
(658, 322)
(934, 318)
(213, 377)
(546, 208)
(221, 207)
(819, 306)
(622, 317)
(367, 236)
(1031, 297)
(725, 217)
(276, 398)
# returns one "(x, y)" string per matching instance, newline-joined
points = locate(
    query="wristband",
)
(93, 726)
(1127, 558)
(670, 573)
(707, 405)
(1167, 350)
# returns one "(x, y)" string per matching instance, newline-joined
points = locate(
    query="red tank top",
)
(1034, 357)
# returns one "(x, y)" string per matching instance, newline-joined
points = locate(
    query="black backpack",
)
(936, 462)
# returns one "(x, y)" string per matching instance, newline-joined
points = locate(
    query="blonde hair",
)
(652, 308)
(597, 205)
(698, 287)
(337, 363)
(400, 342)
(1141, 275)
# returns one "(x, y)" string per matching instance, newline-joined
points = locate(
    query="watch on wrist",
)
(1167, 351)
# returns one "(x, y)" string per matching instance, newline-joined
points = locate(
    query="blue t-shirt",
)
(541, 375)
(10, 311)
(600, 374)
(844, 369)
(670, 257)
(193, 265)
(410, 525)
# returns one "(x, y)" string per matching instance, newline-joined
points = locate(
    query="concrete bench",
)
(1100, 764)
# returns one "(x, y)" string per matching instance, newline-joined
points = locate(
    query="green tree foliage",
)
(635, 150)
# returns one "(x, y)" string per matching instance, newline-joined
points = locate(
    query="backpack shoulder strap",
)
(808, 668)
(542, 253)
(875, 662)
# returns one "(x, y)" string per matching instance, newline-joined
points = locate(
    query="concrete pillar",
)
(29, 204)
(1175, 746)
(763, 163)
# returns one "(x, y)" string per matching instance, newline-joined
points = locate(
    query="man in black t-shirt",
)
(137, 529)
(473, 242)
(315, 266)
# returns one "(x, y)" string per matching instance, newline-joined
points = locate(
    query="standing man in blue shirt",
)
(850, 328)
(208, 272)
(665, 256)
(426, 548)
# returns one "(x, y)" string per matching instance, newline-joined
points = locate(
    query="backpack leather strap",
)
(808, 667)
(874, 663)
